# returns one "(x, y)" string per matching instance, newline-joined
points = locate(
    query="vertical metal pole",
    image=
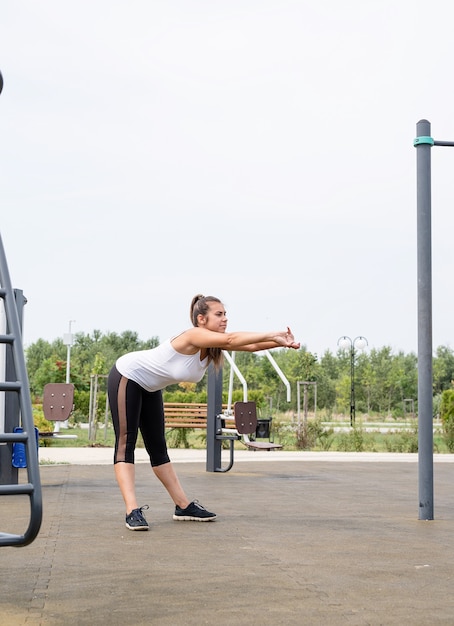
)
(68, 339)
(305, 403)
(298, 402)
(352, 383)
(214, 407)
(425, 376)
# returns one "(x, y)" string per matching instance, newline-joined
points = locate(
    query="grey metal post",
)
(214, 407)
(423, 143)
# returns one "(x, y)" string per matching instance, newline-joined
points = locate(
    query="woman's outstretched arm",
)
(197, 338)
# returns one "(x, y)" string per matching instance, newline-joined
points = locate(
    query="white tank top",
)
(161, 366)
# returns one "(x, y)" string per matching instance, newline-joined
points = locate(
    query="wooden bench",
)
(186, 414)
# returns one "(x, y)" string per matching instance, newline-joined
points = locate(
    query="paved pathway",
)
(104, 456)
(301, 538)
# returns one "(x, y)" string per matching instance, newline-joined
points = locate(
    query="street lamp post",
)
(346, 343)
(68, 340)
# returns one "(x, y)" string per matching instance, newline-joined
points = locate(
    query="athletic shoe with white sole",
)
(194, 512)
(135, 520)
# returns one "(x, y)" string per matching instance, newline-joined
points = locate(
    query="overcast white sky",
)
(257, 150)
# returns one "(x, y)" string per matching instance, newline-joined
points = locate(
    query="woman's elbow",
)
(249, 348)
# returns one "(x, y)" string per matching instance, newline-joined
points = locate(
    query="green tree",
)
(443, 369)
(326, 377)
(51, 370)
(40, 370)
(95, 353)
(380, 362)
(383, 380)
(447, 417)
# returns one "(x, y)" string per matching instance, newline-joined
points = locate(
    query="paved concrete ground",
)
(300, 539)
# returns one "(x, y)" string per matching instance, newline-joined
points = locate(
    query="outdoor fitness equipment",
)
(424, 143)
(244, 414)
(17, 402)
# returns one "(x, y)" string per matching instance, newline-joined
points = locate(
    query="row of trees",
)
(384, 382)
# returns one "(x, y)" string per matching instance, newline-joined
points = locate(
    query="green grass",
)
(323, 439)
(82, 440)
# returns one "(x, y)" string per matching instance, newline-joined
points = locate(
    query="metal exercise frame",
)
(216, 434)
(20, 386)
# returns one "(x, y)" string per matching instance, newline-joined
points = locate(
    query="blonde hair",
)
(200, 306)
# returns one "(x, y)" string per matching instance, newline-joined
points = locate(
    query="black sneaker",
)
(135, 520)
(194, 512)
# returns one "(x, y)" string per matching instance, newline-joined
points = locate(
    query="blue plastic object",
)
(19, 458)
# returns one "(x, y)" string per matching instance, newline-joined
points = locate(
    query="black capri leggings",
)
(134, 408)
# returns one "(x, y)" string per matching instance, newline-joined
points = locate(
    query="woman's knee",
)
(159, 459)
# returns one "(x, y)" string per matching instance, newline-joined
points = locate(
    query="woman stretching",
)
(135, 386)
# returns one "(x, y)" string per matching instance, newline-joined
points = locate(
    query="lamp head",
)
(360, 343)
(345, 343)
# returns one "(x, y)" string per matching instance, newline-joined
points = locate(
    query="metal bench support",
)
(215, 438)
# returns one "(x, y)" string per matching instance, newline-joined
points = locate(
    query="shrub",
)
(178, 437)
(447, 417)
(405, 441)
(40, 421)
(312, 434)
